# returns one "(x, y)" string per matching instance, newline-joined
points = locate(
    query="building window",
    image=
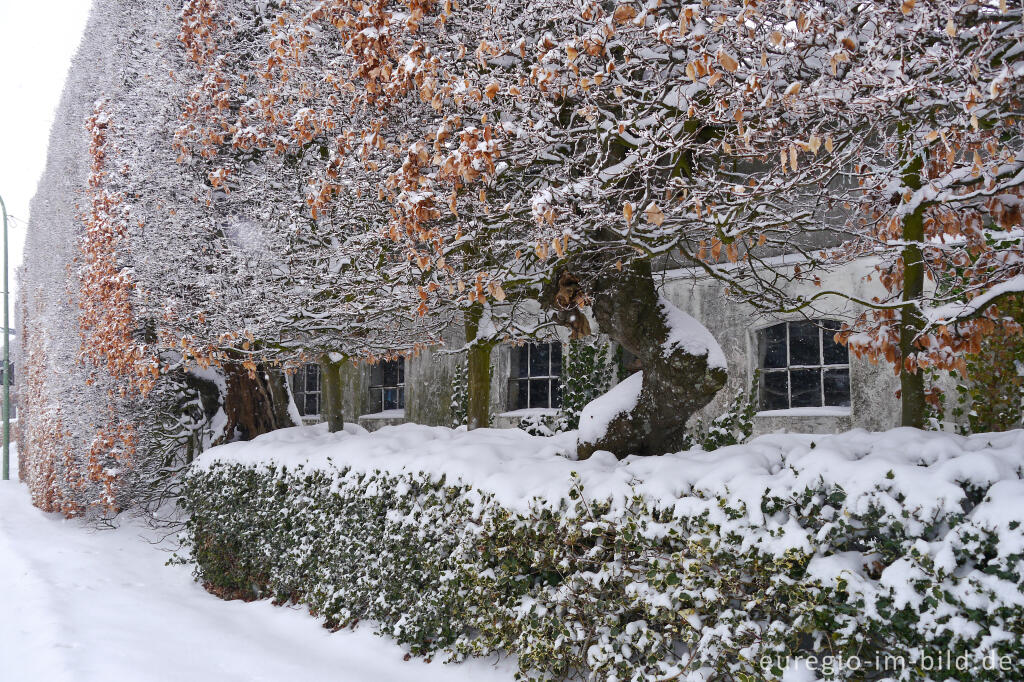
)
(306, 390)
(802, 366)
(387, 385)
(536, 368)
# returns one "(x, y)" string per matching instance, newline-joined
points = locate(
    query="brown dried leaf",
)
(623, 13)
(654, 214)
(727, 61)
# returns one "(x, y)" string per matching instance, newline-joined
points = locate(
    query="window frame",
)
(822, 366)
(300, 395)
(554, 381)
(376, 404)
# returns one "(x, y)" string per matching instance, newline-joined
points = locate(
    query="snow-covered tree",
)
(896, 126)
(470, 145)
(238, 186)
(266, 133)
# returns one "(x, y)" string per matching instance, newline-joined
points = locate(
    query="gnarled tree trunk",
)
(676, 382)
(276, 385)
(249, 404)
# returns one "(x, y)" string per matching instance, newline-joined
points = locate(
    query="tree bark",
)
(275, 379)
(331, 407)
(478, 413)
(676, 383)
(249, 405)
(912, 393)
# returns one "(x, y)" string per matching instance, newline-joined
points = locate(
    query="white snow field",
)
(78, 605)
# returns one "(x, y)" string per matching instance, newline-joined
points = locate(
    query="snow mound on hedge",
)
(904, 467)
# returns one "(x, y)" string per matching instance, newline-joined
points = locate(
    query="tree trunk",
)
(912, 400)
(478, 413)
(249, 404)
(275, 380)
(331, 407)
(676, 383)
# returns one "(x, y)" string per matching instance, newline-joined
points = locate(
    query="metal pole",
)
(7, 361)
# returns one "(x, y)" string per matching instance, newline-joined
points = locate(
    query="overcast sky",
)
(37, 44)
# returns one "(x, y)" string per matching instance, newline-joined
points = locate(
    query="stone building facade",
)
(807, 382)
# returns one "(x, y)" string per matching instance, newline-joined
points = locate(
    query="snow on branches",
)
(267, 183)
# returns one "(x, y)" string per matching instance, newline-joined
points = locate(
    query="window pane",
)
(377, 374)
(806, 389)
(837, 387)
(401, 398)
(401, 370)
(772, 347)
(803, 344)
(539, 393)
(311, 405)
(376, 400)
(556, 393)
(522, 361)
(522, 397)
(312, 377)
(835, 353)
(389, 373)
(390, 399)
(556, 359)
(775, 390)
(540, 355)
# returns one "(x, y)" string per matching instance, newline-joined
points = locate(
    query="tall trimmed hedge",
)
(626, 591)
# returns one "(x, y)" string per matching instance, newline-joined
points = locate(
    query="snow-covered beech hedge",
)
(873, 556)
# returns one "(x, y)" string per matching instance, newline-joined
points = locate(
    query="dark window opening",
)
(535, 376)
(802, 366)
(306, 390)
(387, 385)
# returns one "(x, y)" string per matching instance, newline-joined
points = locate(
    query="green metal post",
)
(7, 361)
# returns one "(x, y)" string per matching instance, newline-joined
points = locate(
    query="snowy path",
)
(78, 605)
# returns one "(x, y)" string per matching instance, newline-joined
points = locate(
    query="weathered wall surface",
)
(355, 389)
(428, 380)
(874, 404)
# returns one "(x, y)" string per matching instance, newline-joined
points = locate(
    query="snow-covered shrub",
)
(893, 556)
(545, 424)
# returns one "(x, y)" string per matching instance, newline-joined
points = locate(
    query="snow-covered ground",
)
(79, 605)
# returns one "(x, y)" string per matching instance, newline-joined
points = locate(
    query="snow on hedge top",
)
(903, 468)
(600, 412)
(687, 333)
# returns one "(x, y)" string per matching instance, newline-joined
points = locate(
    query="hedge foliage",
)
(701, 586)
